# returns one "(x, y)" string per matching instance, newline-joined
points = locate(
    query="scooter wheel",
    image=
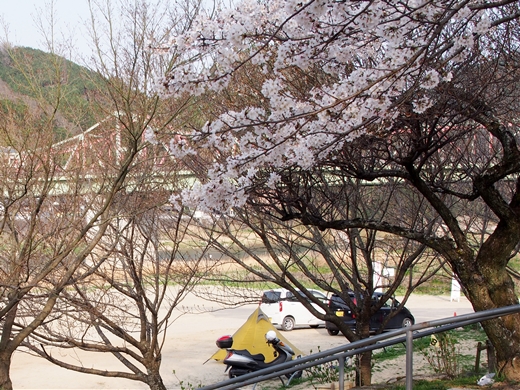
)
(233, 373)
(296, 375)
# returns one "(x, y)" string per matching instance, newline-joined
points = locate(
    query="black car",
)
(399, 320)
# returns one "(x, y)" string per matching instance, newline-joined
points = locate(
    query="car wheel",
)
(333, 332)
(407, 322)
(288, 323)
(314, 326)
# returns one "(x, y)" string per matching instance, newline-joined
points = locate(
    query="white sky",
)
(19, 22)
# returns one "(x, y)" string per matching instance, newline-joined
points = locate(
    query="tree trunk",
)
(507, 345)
(365, 369)
(156, 383)
(153, 379)
(489, 286)
(5, 365)
(364, 363)
(503, 332)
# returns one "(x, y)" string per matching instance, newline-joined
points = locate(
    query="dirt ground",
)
(191, 342)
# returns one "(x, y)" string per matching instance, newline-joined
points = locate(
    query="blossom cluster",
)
(373, 51)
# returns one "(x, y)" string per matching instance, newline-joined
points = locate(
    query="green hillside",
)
(30, 75)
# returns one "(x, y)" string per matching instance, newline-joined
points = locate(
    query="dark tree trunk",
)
(7, 347)
(156, 383)
(483, 271)
(364, 364)
(489, 286)
(5, 365)
(153, 379)
(365, 369)
(492, 291)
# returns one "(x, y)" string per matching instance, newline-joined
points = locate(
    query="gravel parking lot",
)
(191, 342)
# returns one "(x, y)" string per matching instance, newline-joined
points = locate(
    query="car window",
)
(302, 294)
(386, 304)
(270, 297)
(290, 297)
(318, 295)
(336, 301)
(377, 298)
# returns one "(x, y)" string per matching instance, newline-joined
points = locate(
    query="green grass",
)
(442, 384)
(425, 385)
(467, 382)
(389, 353)
(470, 332)
(463, 364)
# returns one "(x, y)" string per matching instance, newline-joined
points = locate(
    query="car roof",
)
(351, 293)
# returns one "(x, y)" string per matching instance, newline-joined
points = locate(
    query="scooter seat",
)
(258, 357)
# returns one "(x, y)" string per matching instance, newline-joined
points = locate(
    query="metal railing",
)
(406, 335)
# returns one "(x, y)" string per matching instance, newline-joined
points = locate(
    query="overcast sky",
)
(19, 21)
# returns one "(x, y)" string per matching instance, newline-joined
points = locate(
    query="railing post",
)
(409, 360)
(477, 358)
(341, 372)
(491, 356)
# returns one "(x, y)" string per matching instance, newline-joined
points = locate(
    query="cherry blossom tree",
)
(352, 263)
(423, 92)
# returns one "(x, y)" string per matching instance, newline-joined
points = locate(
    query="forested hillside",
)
(31, 79)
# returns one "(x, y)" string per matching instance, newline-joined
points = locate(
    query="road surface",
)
(191, 341)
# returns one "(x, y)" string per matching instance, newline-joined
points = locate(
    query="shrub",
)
(443, 354)
(329, 372)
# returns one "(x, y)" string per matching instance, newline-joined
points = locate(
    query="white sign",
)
(389, 272)
(377, 276)
(455, 290)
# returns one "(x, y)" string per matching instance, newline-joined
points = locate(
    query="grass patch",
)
(425, 385)
(443, 355)
(394, 351)
(470, 332)
(467, 381)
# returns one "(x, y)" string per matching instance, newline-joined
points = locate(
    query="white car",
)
(285, 311)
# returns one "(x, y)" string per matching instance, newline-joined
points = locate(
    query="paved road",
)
(191, 341)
